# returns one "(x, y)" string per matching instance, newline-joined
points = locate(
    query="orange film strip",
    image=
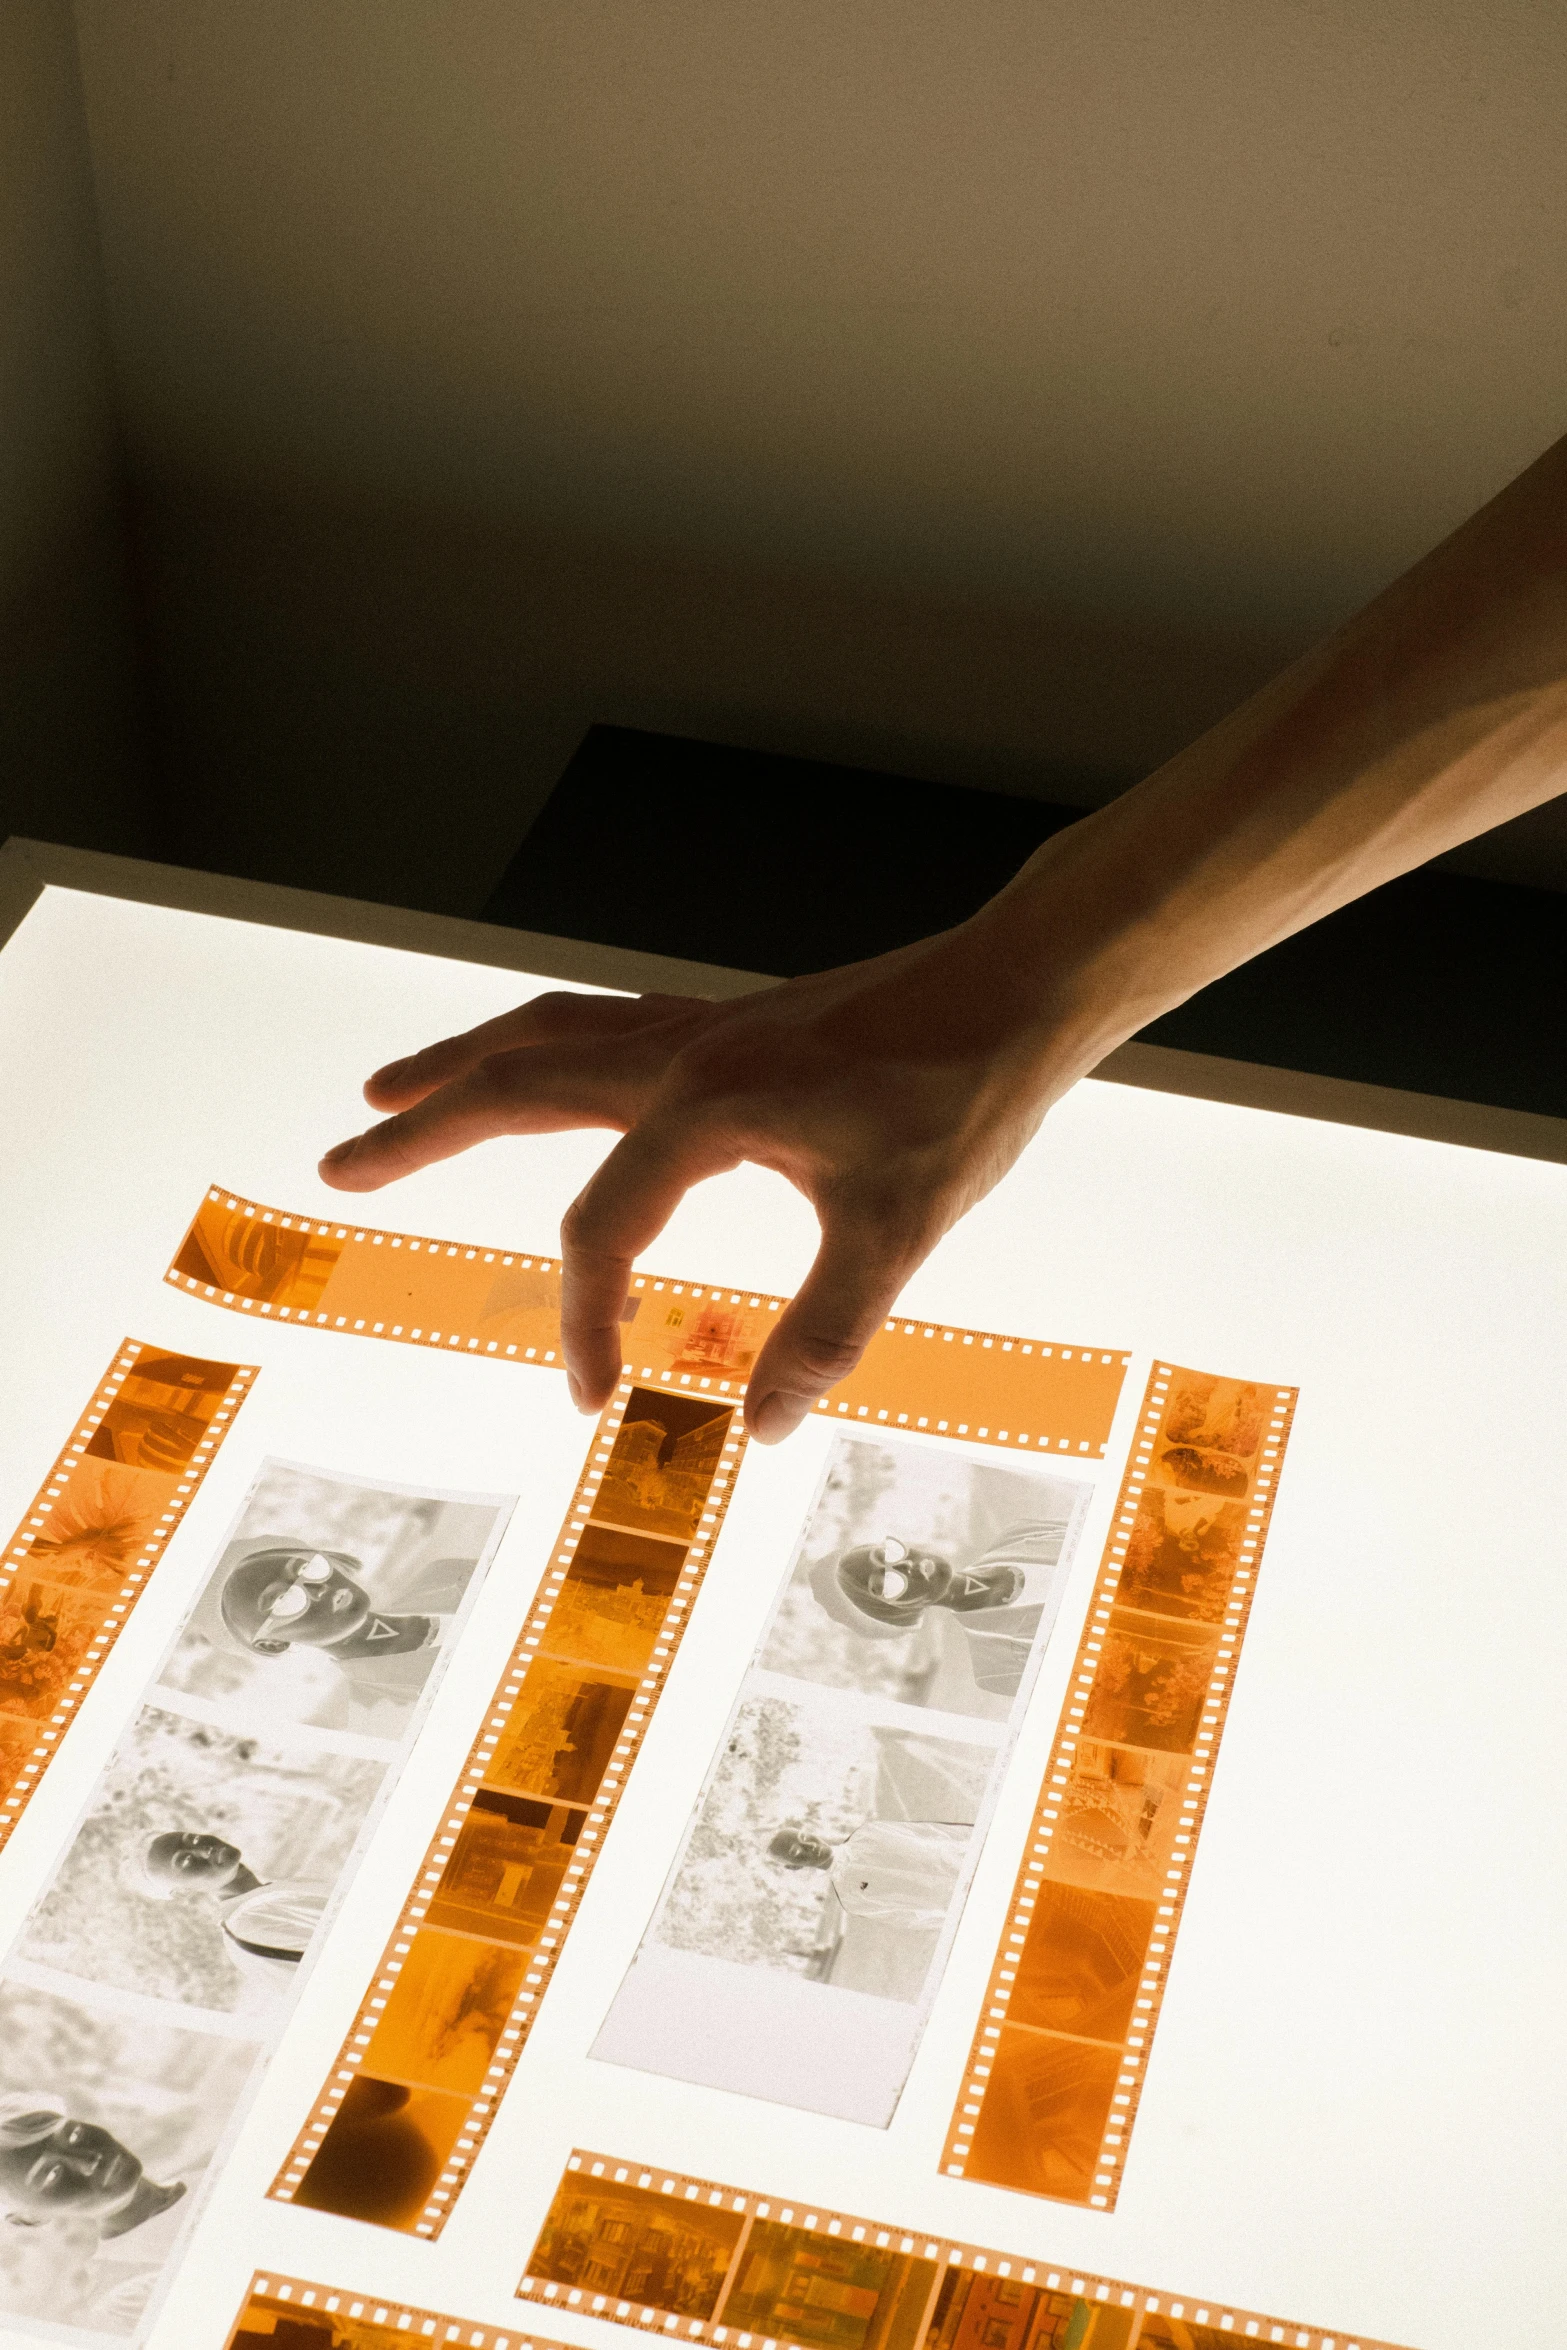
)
(659, 2249)
(287, 2314)
(1057, 2067)
(416, 1291)
(82, 1555)
(449, 2009)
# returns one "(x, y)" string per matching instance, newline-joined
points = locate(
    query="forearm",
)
(1439, 711)
(895, 1092)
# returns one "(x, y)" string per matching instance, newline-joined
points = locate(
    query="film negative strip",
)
(661, 2250)
(414, 1291)
(1056, 2071)
(287, 2314)
(80, 1559)
(445, 2018)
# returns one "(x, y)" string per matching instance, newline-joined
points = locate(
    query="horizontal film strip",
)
(288, 2314)
(81, 1557)
(690, 2258)
(438, 2034)
(416, 1291)
(1058, 2062)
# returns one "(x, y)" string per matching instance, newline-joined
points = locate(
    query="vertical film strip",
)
(663, 2251)
(408, 2105)
(1056, 2070)
(414, 1291)
(286, 2313)
(81, 1557)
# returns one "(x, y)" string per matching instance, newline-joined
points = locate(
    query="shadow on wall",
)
(379, 702)
(73, 751)
(654, 843)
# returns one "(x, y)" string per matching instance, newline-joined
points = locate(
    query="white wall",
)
(70, 749)
(990, 389)
(1203, 311)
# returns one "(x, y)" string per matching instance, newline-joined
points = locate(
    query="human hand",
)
(892, 1093)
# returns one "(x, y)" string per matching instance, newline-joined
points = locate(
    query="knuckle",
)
(900, 1213)
(492, 1083)
(387, 1147)
(576, 1224)
(558, 1006)
(824, 1361)
(585, 1230)
(723, 1063)
(665, 1005)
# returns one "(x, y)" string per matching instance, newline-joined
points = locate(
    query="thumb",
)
(845, 1298)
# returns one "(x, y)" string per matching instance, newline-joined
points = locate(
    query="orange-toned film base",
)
(640, 2246)
(285, 2313)
(1015, 1392)
(83, 1553)
(1057, 2067)
(444, 2020)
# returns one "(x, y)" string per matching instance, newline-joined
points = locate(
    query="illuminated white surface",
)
(1352, 2110)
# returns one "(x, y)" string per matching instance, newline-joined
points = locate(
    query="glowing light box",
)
(1060, 1851)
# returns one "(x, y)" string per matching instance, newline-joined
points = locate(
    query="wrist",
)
(1077, 953)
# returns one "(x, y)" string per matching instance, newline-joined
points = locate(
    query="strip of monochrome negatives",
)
(802, 1931)
(157, 1967)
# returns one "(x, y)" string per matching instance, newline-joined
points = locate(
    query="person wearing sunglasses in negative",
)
(284, 1598)
(998, 1600)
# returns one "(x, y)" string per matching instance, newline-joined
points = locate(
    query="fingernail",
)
(341, 1151)
(392, 1069)
(574, 1389)
(776, 1416)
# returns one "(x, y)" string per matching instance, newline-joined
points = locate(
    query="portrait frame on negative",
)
(804, 1925)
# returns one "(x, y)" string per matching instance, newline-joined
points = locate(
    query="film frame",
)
(410, 1289)
(327, 2318)
(94, 1532)
(1022, 2303)
(503, 1306)
(1090, 1933)
(483, 1842)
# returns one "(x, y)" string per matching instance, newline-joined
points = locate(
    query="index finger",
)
(556, 1017)
(542, 1090)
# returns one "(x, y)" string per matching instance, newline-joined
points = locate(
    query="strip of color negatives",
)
(1058, 2062)
(81, 1557)
(445, 2017)
(652, 2248)
(415, 1291)
(285, 2313)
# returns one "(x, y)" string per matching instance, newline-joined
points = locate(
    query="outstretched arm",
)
(893, 1093)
